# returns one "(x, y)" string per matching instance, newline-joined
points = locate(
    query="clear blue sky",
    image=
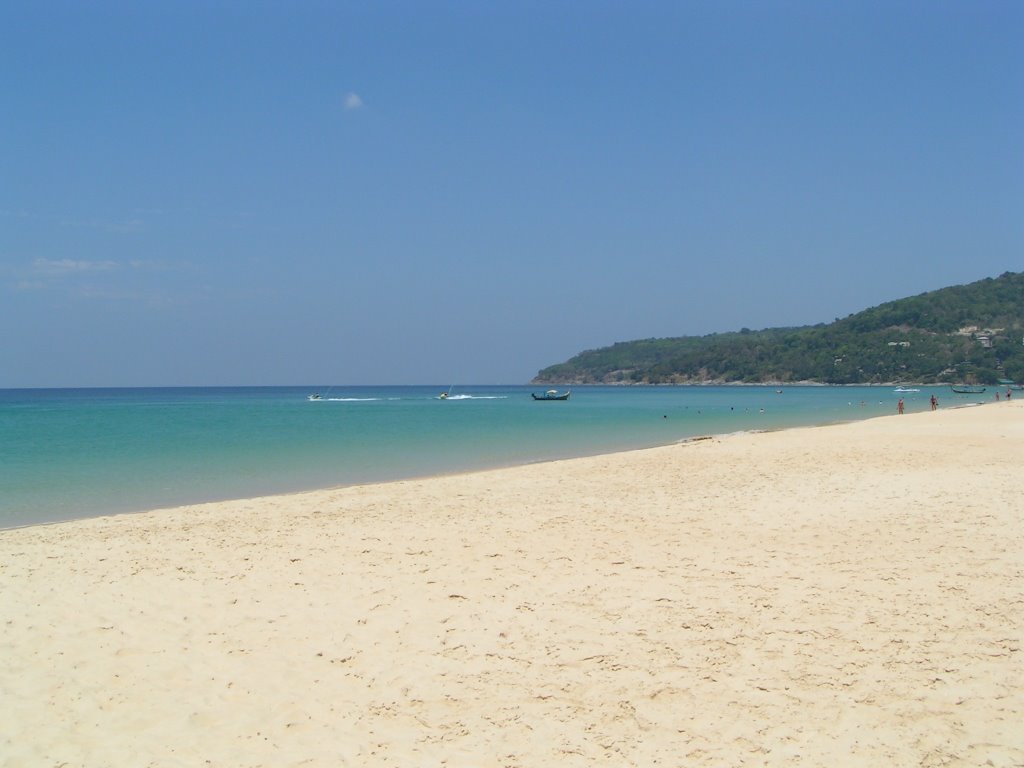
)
(464, 192)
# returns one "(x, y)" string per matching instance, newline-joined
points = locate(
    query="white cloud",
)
(353, 101)
(58, 267)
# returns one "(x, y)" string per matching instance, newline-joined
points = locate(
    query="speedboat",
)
(315, 396)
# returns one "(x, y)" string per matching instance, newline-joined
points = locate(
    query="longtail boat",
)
(551, 394)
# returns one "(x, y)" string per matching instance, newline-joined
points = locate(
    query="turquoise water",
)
(75, 453)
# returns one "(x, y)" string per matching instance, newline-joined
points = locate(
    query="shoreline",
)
(769, 384)
(847, 594)
(469, 470)
(121, 483)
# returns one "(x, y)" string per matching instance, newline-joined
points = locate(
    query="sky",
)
(240, 192)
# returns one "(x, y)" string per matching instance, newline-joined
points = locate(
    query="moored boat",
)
(967, 390)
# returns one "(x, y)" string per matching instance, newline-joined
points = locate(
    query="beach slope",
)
(841, 595)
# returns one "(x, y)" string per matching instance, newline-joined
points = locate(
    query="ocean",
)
(74, 453)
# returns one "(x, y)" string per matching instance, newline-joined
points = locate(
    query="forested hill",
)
(964, 334)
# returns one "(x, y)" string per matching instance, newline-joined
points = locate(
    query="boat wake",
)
(476, 397)
(390, 399)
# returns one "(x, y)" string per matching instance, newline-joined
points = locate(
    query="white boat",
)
(905, 389)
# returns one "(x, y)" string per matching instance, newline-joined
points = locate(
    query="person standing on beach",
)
(935, 403)
(899, 406)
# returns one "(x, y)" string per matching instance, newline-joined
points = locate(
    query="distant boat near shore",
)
(905, 389)
(551, 394)
(967, 390)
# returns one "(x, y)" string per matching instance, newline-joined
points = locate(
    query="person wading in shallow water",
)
(899, 406)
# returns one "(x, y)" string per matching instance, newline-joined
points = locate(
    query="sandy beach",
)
(841, 595)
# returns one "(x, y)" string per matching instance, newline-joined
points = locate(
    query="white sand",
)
(846, 595)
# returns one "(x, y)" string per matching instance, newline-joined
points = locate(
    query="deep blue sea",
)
(73, 453)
